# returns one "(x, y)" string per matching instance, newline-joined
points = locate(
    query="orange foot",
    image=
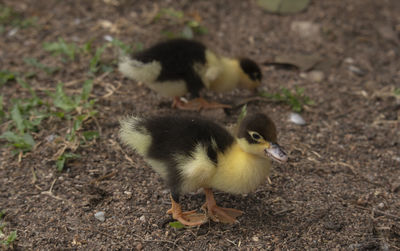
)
(219, 214)
(189, 218)
(196, 104)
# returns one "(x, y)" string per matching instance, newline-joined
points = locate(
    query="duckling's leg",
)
(219, 214)
(196, 104)
(189, 218)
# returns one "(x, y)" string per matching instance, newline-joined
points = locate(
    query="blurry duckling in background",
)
(192, 152)
(178, 66)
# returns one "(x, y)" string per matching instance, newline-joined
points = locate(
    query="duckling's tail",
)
(139, 71)
(134, 134)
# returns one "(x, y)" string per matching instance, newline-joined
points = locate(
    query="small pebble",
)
(108, 38)
(50, 138)
(381, 205)
(349, 61)
(316, 76)
(356, 70)
(100, 216)
(306, 29)
(12, 32)
(255, 238)
(142, 218)
(296, 119)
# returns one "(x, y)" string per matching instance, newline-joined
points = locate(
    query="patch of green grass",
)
(6, 76)
(296, 99)
(189, 27)
(397, 92)
(168, 13)
(63, 48)
(126, 49)
(68, 104)
(193, 27)
(90, 135)
(26, 116)
(94, 64)
(48, 69)
(60, 162)
(9, 16)
(21, 143)
(176, 225)
(9, 240)
(2, 113)
(6, 14)
(243, 113)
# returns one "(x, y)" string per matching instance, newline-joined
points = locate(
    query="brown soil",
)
(341, 188)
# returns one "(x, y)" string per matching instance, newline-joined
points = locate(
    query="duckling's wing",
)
(173, 135)
(176, 57)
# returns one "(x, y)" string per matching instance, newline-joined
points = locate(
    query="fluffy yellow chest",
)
(239, 172)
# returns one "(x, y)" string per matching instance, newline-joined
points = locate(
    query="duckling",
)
(192, 152)
(179, 66)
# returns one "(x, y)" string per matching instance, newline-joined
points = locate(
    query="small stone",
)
(255, 238)
(306, 29)
(127, 193)
(108, 38)
(142, 218)
(50, 138)
(100, 216)
(303, 75)
(12, 32)
(316, 76)
(354, 69)
(381, 205)
(349, 61)
(296, 119)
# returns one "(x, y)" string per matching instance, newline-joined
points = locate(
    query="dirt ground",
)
(340, 189)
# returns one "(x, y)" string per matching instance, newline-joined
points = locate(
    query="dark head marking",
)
(261, 125)
(251, 69)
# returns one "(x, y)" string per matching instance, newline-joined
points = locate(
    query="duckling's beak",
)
(276, 153)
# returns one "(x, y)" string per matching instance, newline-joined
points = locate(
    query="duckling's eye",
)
(256, 136)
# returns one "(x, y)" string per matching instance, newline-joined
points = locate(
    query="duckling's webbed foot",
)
(219, 214)
(196, 104)
(189, 218)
